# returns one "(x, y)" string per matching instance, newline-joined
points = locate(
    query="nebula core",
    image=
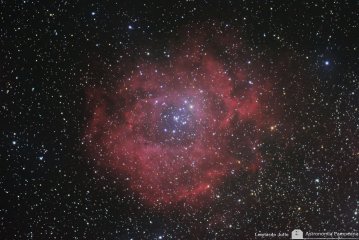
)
(177, 128)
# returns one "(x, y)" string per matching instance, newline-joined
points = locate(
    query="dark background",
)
(52, 52)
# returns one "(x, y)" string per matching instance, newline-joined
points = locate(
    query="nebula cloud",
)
(178, 128)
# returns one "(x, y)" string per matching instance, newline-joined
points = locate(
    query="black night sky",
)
(178, 119)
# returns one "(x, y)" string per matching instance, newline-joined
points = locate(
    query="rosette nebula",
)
(177, 128)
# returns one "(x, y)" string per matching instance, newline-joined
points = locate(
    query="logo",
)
(297, 234)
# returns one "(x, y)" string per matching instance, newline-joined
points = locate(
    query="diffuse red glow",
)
(172, 127)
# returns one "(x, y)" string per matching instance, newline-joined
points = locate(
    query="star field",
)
(178, 120)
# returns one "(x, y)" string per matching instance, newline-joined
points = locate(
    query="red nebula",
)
(172, 127)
